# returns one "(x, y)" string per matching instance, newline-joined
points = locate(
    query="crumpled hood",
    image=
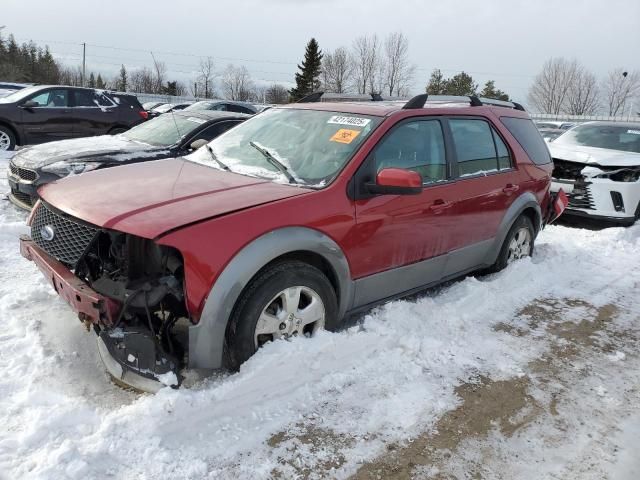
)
(148, 199)
(593, 155)
(109, 148)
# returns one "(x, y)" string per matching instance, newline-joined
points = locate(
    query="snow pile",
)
(382, 381)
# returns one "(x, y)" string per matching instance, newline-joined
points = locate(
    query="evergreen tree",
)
(490, 91)
(122, 82)
(92, 81)
(100, 82)
(461, 84)
(308, 79)
(171, 88)
(437, 83)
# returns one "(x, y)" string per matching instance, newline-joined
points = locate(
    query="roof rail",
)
(419, 101)
(340, 97)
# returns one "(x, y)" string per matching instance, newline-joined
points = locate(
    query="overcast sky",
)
(505, 40)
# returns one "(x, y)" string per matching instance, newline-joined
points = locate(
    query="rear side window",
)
(479, 149)
(529, 138)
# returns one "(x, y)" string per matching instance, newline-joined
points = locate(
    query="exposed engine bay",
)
(146, 279)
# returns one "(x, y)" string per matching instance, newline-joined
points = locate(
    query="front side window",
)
(416, 145)
(476, 149)
(287, 145)
(52, 98)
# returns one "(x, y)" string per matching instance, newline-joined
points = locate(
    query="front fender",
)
(206, 339)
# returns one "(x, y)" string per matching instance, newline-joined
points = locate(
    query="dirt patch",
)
(325, 445)
(571, 324)
(486, 405)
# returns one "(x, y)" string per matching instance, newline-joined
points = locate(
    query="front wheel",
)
(286, 300)
(7, 139)
(518, 243)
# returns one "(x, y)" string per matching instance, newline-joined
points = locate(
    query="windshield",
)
(614, 137)
(165, 130)
(312, 145)
(204, 106)
(19, 95)
(164, 108)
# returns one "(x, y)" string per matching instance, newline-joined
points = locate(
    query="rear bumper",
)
(91, 307)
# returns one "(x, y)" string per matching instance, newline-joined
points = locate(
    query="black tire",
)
(7, 133)
(117, 130)
(240, 336)
(503, 258)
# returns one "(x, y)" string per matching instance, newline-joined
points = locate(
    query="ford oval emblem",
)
(47, 233)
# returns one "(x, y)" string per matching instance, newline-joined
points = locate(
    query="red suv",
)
(288, 224)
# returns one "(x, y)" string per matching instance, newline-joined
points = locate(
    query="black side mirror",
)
(30, 104)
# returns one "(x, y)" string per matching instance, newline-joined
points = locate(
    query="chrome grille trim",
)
(22, 173)
(71, 238)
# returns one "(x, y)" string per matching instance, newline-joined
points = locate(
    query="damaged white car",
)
(598, 165)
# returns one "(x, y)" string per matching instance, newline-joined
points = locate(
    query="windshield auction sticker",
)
(345, 136)
(352, 121)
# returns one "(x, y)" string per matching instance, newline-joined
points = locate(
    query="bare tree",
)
(620, 87)
(143, 81)
(160, 70)
(583, 94)
(398, 71)
(205, 78)
(366, 61)
(551, 86)
(337, 70)
(276, 93)
(236, 83)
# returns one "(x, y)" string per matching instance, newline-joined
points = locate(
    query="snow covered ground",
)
(530, 373)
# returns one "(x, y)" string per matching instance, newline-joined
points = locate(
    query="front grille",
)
(567, 170)
(23, 173)
(580, 197)
(23, 197)
(70, 239)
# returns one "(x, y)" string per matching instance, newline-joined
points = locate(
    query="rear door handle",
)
(511, 188)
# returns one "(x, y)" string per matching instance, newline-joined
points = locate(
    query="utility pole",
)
(84, 62)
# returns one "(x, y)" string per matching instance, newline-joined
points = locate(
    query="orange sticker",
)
(345, 136)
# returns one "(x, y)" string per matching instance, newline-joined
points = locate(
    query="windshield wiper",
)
(215, 158)
(274, 161)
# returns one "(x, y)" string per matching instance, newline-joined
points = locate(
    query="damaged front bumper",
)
(131, 355)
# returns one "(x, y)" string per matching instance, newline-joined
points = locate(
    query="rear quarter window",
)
(529, 138)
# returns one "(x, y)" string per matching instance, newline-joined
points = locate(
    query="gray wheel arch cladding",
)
(206, 338)
(519, 205)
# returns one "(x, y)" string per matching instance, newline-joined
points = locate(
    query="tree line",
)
(567, 87)
(370, 65)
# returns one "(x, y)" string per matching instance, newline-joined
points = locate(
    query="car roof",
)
(633, 125)
(386, 108)
(211, 114)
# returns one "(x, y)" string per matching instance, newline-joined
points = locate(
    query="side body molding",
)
(206, 339)
(520, 204)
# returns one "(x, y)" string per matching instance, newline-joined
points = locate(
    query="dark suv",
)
(44, 113)
(287, 224)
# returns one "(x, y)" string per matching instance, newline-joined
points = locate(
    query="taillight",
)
(144, 114)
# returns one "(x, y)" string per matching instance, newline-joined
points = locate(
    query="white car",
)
(598, 165)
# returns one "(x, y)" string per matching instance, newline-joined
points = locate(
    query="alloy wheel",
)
(5, 141)
(520, 245)
(294, 311)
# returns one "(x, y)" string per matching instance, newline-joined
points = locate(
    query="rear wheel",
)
(289, 299)
(7, 139)
(518, 243)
